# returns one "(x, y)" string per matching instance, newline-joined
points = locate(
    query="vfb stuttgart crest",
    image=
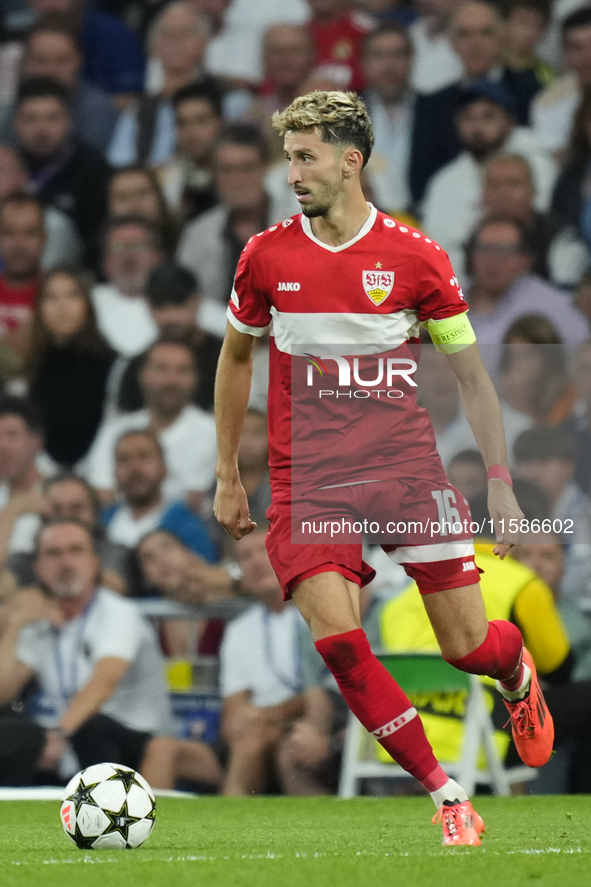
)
(378, 285)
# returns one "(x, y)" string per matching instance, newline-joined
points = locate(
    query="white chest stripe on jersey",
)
(372, 332)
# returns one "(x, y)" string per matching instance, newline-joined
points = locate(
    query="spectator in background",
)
(436, 64)
(553, 110)
(534, 374)
(526, 22)
(62, 171)
(22, 240)
(580, 423)
(485, 119)
(338, 31)
(187, 178)
(140, 472)
(21, 443)
(132, 249)
(211, 245)
(467, 472)
(546, 456)
(288, 58)
(187, 434)
(500, 258)
(52, 49)
(170, 569)
(63, 496)
(113, 705)
(134, 191)
(172, 295)
(438, 394)
(509, 190)
(582, 295)
(113, 57)
(387, 59)
(477, 38)
(260, 680)
(67, 364)
(571, 204)
(62, 242)
(145, 132)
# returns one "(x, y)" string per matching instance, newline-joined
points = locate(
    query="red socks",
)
(378, 702)
(499, 656)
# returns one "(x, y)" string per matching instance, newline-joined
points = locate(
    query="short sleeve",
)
(249, 308)
(438, 291)
(26, 648)
(118, 632)
(234, 676)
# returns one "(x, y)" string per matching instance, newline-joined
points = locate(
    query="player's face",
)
(63, 308)
(315, 172)
(42, 126)
(66, 562)
(139, 469)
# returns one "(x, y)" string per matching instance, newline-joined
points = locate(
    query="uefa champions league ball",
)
(108, 806)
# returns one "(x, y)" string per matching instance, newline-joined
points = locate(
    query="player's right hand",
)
(230, 507)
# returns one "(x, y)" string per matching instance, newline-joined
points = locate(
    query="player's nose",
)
(294, 175)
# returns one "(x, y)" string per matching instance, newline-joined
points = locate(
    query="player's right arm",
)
(232, 391)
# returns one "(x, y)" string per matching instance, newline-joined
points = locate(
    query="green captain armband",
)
(451, 334)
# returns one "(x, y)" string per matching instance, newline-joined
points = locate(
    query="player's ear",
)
(352, 162)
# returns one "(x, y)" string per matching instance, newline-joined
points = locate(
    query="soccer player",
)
(309, 276)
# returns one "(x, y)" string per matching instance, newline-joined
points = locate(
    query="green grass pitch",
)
(319, 842)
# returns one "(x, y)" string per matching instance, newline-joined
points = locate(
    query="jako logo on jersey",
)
(378, 285)
(288, 287)
(468, 566)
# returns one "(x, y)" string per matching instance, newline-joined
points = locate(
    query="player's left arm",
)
(483, 411)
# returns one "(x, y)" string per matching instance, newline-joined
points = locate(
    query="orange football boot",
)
(461, 824)
(531, 722)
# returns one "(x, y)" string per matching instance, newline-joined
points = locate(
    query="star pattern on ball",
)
(82, 794)
(127, 777)
(120, 822)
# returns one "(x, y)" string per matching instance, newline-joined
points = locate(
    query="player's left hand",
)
(506, 514)
(231, 508)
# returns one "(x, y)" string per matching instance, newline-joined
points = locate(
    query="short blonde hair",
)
(338, 118)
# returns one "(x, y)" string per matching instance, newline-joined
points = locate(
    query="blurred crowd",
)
(137, 158)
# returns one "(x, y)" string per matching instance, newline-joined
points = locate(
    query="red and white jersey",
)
(368, 297)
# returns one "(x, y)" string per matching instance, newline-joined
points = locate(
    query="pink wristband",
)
(499, 472)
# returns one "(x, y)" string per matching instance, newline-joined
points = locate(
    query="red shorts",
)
(435, 563)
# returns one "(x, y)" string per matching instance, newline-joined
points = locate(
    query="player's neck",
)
(342, 222)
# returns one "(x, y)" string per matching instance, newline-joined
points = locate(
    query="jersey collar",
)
(367, 226)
